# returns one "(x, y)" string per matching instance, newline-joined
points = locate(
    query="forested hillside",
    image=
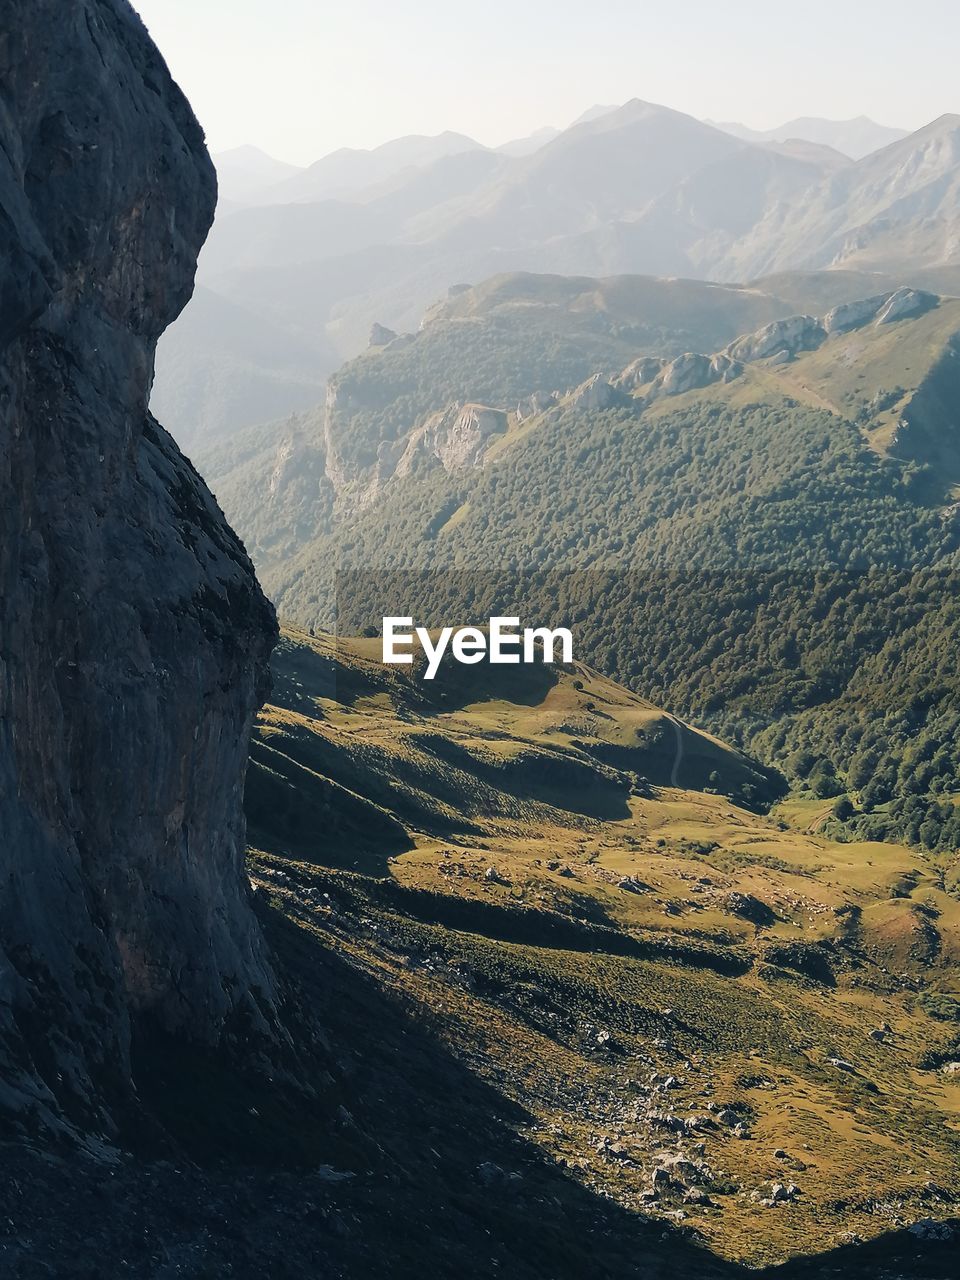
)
(764, 540)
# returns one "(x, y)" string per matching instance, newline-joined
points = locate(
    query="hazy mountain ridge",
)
(379, 236)
(852, 138)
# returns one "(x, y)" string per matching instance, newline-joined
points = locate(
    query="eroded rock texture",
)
(133, 636)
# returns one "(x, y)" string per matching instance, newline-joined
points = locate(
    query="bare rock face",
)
(693, 372)
(133, 636)
(787, 337)
(456, 438)
(641, 373)
(905, 303)
(594, 395)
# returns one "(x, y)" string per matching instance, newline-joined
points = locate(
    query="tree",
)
(843, 809)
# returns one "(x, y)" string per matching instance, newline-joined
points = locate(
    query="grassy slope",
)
(640, 953)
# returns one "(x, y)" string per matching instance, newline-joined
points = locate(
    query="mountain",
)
(853, 138)
(135, 637)
(510, 339)
(810, 462)
(245, 172)
(895, 211)
(636, 189)
(346, 173)
(595, 113)
(599, 200)
(533, 142)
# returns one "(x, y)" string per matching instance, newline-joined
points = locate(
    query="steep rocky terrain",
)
(133, 636)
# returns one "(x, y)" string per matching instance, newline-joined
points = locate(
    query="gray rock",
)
(693, 372)
(853, 315)
(641, 372)
(790, 336)
(697, 1195)
(134, 638)
(905, 303)
(538, 403)
(456, 439)
(595, 394)
(928, 1229)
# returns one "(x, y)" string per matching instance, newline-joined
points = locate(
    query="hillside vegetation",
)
(772, 552)
(703, 1016)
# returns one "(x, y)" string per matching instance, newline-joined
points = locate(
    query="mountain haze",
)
(376, 237)
(244, 172)
(853, 138)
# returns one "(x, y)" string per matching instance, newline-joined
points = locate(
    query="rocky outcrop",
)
(652, 377)
(133, 636)
(853, 315)
(455, 439)
(532, 406)
(594, 395)
(886, 308)
(904, 304)
(381, 336)
(785, 338)
(641, 373)
(693, 372)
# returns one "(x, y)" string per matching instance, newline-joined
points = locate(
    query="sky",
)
(300, 78)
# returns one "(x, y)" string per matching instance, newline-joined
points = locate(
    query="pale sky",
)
(300, 78)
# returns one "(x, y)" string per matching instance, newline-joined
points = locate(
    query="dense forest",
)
(749, 557)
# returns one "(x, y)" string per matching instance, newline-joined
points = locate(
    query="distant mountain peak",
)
(594, 113)
(855, 138)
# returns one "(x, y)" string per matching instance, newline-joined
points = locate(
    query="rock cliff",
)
(134, 638)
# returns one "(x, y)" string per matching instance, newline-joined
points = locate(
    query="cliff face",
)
(134, 638)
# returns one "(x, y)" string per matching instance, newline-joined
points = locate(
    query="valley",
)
(332, 945)
(697, 1010)
(805, 471)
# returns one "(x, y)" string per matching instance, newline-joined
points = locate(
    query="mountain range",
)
(363, 238)
(703, 484)
(643, 963)
(852, 138)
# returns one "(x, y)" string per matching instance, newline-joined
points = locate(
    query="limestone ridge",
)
(134, 638)
(323, 469)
